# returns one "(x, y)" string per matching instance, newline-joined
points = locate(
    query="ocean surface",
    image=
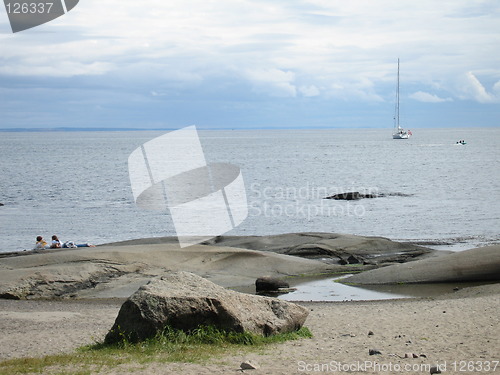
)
(434, 192)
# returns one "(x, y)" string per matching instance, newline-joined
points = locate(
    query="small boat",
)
(399, 132)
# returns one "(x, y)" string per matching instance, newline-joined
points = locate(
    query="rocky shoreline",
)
(118, 269)
(56, 301)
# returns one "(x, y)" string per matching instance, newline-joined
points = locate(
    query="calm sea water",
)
(76, 184)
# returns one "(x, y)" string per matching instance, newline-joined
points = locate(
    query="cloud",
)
(428, 98)
(229, 53)
(470, 88)
(274, 82)
(58, 69)
(496, 89)
(309, 91)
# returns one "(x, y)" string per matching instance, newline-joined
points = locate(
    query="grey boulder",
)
(185, 301)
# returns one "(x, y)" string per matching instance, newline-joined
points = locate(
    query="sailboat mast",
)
(397, 100)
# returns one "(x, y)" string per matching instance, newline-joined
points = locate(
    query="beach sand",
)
(454, 331)
(458, 331)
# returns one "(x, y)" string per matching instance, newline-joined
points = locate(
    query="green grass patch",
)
(197, 346)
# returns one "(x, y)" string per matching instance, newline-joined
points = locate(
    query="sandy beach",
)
(454, 330)
(459, 331)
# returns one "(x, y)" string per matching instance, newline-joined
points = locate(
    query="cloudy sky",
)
(254, 64)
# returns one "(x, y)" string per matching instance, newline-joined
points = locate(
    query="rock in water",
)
(186, 301)
(270, 284)
(350, 196)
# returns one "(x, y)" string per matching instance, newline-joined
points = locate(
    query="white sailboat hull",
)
(404, 135)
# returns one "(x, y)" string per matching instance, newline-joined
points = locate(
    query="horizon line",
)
(76, 129)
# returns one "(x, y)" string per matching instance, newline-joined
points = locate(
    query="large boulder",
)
(186, 301)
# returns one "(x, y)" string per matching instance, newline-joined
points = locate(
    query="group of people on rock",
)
(57, 244)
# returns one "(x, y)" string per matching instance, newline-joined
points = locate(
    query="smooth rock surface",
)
(335, 247)
(118, 269)
(479, 264)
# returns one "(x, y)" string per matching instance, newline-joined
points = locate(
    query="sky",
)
(236, 64)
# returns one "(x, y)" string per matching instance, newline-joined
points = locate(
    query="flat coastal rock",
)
(118, 271)
(479, 264)
(334, 247)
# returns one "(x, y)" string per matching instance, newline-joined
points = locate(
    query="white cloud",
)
(363, 89)
(428, 98)
(273, 82)
(330, 49)
(309, 91)
(496, 89)
(470, 88)
(57, 69)
(354, 39)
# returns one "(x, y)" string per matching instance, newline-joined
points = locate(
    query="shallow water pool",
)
(329, 289)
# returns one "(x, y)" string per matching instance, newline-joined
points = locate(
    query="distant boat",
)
(399, 132)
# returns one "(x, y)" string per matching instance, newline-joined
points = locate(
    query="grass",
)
(172, 345)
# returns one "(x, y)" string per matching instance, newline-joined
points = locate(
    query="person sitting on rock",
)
(56, 244)
(40, 243)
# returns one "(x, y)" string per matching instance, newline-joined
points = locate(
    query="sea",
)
(429, 189)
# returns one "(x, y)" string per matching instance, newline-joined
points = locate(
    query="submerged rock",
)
(350, 196)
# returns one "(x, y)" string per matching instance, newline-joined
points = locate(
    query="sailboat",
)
(399, 132)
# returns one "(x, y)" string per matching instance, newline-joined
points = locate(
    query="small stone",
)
(370, 333)
(249, 365)
(411, 355)
(374, 352)
(435, 370)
